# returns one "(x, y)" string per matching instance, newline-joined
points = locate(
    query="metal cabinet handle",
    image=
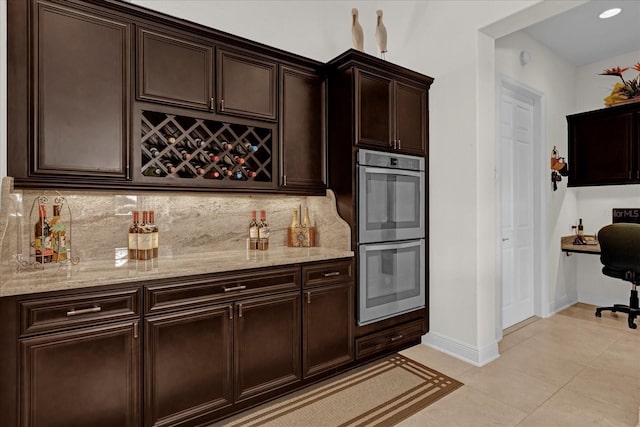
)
(308, 297)
(397, 337)
(399, 145)
(74, 312)
(212, 104)
(239, 310)
(222, 105)
(235, 288)
(135, 330)
(230, 312)
(333, 273)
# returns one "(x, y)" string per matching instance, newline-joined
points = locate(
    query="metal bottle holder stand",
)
(57, 253)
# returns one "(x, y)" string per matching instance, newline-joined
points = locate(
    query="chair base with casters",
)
(620, 257)
(632, 309)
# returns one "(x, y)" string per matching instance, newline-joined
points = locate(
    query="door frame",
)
(541, 190)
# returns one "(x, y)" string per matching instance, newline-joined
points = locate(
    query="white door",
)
(517, 206)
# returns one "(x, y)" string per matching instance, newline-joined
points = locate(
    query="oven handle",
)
(400, 245)
(389, 171)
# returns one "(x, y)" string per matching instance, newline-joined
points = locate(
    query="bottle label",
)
(144, 241)
(264, 232)
(253, 232)
(154, 240)
(133, 241)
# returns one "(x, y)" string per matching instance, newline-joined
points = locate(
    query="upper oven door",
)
(390, 204)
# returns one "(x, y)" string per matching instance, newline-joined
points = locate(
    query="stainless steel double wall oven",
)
(391, 235)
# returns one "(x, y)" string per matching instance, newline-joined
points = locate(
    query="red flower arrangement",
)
(626, 90)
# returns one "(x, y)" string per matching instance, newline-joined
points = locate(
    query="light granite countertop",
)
(98, 273)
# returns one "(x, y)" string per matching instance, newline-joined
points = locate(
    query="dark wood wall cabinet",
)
(604, 146)
(77, 110)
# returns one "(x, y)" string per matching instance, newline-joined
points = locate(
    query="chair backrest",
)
(620, 247)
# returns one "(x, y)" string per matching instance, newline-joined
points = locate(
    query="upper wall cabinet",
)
(246, 85)
(387, 104)
(604, 147)
(302, 129)
(79, 106)
(174, 70)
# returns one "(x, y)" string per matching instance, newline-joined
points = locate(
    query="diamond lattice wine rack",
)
(197, 149)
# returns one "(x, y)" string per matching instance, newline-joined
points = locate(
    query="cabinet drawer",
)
(389, 338)
(50, 314)
(172, 296)
(327, 273)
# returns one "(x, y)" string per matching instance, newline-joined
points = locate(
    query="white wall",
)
(594, 204)
(552, 75)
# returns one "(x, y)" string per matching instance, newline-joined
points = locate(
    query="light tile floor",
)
(571, 369)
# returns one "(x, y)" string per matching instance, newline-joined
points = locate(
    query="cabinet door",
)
(600, 149)
(411, 118)
(80, 93)
(302, 124)
(328, 328)
(373, 110)
(188, 369)
(174, 70)
(86, 377)
(267, 344)
(246, 85)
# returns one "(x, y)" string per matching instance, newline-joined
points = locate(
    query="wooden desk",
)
(568, 246)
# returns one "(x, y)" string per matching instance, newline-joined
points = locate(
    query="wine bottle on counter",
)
(42, 234)
(145, 250)
(580, 228)
(58, 235)
(263, 232)
(253, 232)
(293, 230)
(133, 236)
(154, 234)
(310, 231)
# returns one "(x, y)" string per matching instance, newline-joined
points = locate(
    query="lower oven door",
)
(391, 279)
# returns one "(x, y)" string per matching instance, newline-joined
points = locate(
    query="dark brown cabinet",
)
(267, 344)
(604, 147)
(327, 317)
(302, 129)
(188, 364)
(390, 114)
(174, 70)
(80, 95)
(246, 85)
(82, 377)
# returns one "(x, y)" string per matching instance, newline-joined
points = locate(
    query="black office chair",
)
(620, 255)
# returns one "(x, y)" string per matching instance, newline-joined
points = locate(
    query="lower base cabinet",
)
(188, 365)
(87, 377)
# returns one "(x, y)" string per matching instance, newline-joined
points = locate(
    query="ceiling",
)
(581, 38)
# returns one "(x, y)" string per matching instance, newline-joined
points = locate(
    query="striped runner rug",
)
(381, 393)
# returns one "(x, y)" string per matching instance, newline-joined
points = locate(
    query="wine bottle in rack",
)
(170, 166)
(200, 169)
(152, 171)
(133, 236)
(248, 172)
(253, 232)
(239, 160)
(186, 155)
(155, 152)
(154, 234)
(42, 237)
(58, 235)
(145, 249)
(263, 232)
(214, 174)
(227, 171)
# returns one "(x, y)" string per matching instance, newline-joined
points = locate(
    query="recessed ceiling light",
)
(610, 12)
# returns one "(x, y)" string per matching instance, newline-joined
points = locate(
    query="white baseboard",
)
(604, 300)
(561, 304)
(478, 356)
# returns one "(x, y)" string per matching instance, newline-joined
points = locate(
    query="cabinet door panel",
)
(267, 345)
(88, 377)
(246, 86)
(187, 365)
(81, 93)
(302, 129)
(328, 328)
(411, 117)
(373, 110)
(600, 150)
(174, 71)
